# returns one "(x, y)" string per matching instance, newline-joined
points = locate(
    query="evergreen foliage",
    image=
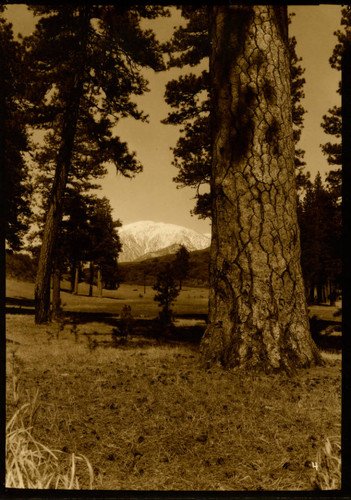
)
(189, 96)
(15, 182)
(166, 293)
(103, 242)
(180, 265)
(332, 121)
(321, 235)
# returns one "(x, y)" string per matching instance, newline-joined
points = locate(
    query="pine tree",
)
(332, 121)
(258, 317)
(85, 65)
(74, 236)
(320, 227)
(15, 181)
(104, 243)
(180, 265)
(166, 294)
(189, 97)
(87, 233)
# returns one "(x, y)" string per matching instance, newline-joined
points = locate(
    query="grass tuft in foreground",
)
(328, 466)
(30, 464)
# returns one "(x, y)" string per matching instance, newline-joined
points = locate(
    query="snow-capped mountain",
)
(141, 240)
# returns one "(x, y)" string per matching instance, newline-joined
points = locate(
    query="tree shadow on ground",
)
(326, 334)
(86, 295)
(20, 301)
(143, 327)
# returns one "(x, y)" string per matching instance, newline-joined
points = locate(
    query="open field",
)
(190, 300)
(149, 416)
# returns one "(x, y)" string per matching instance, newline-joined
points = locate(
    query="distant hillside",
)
(136, 272)
(20, 266)
(170, 250)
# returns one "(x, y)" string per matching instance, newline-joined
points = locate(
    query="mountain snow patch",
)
(145, 237)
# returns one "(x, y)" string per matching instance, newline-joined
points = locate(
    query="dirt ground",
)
(149, 416)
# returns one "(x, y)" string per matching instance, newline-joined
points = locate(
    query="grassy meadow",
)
(145, 414)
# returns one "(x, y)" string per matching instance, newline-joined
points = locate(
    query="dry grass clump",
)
(32, 465)
(328, 466)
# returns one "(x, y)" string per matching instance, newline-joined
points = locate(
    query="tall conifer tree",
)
(332, 122)
(86, 64)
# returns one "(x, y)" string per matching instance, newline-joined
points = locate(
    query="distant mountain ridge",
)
(146, 239)
(171, 249)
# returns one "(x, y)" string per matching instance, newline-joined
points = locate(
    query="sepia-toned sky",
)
(152, 195)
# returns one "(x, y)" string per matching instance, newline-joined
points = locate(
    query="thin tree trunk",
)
(257, 307)
(76, 280)
(72, 276)
(99, 282)
(91, 278)
(54, 213)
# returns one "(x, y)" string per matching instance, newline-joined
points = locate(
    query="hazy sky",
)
(152, 195)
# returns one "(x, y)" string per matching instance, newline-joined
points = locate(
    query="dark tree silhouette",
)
(103, 242)
(15, 180)
(321, 242)
(166, 293)
(332, 121)
(180, 265)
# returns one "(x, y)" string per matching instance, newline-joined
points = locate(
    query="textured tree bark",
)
(258, 317)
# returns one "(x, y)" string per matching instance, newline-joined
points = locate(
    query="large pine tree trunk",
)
(257, 308)
(54, 213)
